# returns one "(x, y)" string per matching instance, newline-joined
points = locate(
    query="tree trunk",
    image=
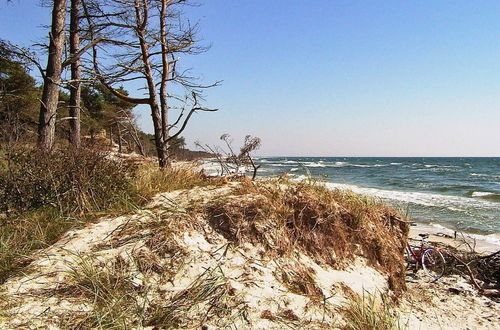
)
(142, 19)
(164, 79)
(119, 137)
(52, 80)
(137, 140)
(162, 154)
(75, 90)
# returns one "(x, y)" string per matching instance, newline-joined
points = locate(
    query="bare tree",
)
(249, 145)
(74, 84)
(143, 40)
(52, 77)
(232, 163)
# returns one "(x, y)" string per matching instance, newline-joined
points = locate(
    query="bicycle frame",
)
(416, 254)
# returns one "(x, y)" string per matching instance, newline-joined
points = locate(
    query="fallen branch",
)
(472, 278)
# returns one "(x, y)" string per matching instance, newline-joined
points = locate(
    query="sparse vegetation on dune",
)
(330, 226)
(212, 253)
(177, 262)
(367, 312)
(42, 196)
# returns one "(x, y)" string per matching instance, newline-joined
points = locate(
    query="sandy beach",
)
(456, 239)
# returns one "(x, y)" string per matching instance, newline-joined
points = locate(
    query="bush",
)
(43, 196)
(75, 181)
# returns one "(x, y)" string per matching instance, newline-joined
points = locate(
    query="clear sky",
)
(339, 78)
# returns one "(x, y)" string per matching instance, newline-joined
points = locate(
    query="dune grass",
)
(23, 232)
(116, 302)
(21, 235)
(370, 313)
(109, 291)
(330, 226)
(210, 294)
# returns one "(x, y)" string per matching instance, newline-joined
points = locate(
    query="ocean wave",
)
(434, 165)
(280, 165)
(486, 195)
(482, 193)
(452, 203)
(327, 164)
(314, 164)
(366, 165)
(340, 164)
(396, 164)
(300, 178)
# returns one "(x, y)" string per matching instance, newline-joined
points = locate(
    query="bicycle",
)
(429, 258)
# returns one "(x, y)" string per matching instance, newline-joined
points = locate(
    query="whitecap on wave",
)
(479, 174)
(453, 203)
(313, 164)
(482, 194)
(366, 165)
(341, 164)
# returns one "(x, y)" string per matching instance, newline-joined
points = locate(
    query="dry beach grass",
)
(211, 253)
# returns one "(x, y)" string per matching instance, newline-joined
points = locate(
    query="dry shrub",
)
(147, 262)
(485, 268)
(75, 181)
(288, 314)
(150, 180)
(162, 243)
(288, 319)
(329, 226)
(267, 315)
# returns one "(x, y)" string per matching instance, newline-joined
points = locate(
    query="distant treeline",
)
(106, 120)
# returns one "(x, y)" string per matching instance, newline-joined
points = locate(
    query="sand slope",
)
(183, 272)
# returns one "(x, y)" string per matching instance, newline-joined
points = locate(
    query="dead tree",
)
(250, 144)
(143, 39)
(232, 163)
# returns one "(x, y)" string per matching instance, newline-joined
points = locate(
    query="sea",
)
(458, 194)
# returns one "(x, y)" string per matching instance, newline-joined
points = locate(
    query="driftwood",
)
(489, 255)
(471, 274)
(480, 270)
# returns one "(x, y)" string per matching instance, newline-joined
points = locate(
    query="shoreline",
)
(440, 234)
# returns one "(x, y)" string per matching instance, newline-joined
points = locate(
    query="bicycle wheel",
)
(433, 263)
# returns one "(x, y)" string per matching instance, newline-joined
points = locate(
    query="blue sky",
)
(339, 78)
